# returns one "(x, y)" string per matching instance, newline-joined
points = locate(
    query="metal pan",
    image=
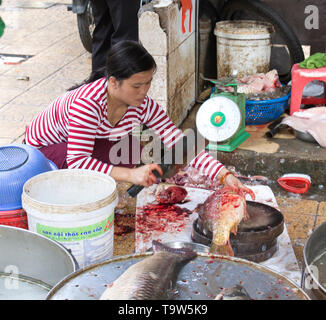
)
(305, 136)
(314, 273)
(256, 238)
(31, 263)
(201, 279)
(252, 251)
(191, 245)
(264, 223)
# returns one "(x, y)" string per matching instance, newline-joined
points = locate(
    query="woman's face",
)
(132, 91)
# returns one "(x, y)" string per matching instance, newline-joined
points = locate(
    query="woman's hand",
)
(229, 180)
(141, 175)
(144, 175)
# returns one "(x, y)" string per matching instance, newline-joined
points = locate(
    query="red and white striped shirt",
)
(79, 116)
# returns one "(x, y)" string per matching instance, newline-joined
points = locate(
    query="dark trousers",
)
(115, 20)
(127, 154)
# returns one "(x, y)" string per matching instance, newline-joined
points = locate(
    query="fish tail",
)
(234, 229)
(224, 249)
(246, 214)
(184, 253)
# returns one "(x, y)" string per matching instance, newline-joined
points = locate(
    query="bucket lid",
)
(244, 29)
(46, 193)
(12, 157)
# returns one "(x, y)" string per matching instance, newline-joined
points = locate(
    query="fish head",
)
(235, 293)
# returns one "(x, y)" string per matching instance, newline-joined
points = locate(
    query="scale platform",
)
(230, 146)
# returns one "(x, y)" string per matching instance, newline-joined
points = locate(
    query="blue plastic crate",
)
(264, 111)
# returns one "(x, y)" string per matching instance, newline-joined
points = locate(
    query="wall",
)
(293, 12)
(160, 31)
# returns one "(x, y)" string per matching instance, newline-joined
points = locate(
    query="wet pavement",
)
(46, 34)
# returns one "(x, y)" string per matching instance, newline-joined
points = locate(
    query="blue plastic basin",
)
(18, 163)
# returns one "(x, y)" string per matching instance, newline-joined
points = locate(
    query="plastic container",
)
(75, 208)
(295, 182)
(14, 218)
(264, 111)
(18, 163)
(243, 45)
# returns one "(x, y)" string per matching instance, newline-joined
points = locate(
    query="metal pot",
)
(256, 238)
(31, 264)
(305, 136)
(182, 244)
(201, 279)
(312, 276)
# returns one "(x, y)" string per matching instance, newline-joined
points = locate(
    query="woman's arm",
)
(83, 125)
(170, 135)
(143, 175)
(163, 126)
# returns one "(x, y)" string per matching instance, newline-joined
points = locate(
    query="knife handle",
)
(135, 189)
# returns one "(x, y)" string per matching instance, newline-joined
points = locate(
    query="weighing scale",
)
(221, 119)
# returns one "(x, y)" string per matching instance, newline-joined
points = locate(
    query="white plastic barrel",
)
(75, 208)
(243, 45)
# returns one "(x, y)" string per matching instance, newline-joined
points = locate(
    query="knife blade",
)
(170, 169)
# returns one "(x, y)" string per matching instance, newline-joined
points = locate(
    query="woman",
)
(79, 128)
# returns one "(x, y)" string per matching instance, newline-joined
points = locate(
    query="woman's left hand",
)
(232, 181)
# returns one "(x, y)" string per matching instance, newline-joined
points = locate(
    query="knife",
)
(170, 169)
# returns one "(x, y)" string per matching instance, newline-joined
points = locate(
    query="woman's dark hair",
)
(124, 59)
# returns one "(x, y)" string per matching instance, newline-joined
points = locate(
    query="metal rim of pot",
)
(65, 281)
(56, 243)
(306, 264)
(273, 230)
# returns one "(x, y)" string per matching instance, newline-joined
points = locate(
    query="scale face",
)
(218, 119)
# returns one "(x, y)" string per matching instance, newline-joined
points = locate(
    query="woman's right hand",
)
(144, 175)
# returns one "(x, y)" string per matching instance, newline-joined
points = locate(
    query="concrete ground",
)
(50, 36)
(58, 61)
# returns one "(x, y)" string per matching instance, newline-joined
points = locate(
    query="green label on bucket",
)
(76, 233)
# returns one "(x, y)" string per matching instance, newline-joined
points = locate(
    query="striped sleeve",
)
(207, 165)
(163, 126)
(83, 123)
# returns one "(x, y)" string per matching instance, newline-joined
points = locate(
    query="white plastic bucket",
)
(75, 208)
(243, 45)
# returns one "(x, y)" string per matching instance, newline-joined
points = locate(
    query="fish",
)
(256, 83)
(193, 178)
(221, 214)
(236, 293)
(151, 278)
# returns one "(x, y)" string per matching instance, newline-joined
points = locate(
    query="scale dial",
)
(218, 119)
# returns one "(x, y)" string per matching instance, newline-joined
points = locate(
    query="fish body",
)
(220, 214)
(193, 178)
(256, 83)
(151, 278)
